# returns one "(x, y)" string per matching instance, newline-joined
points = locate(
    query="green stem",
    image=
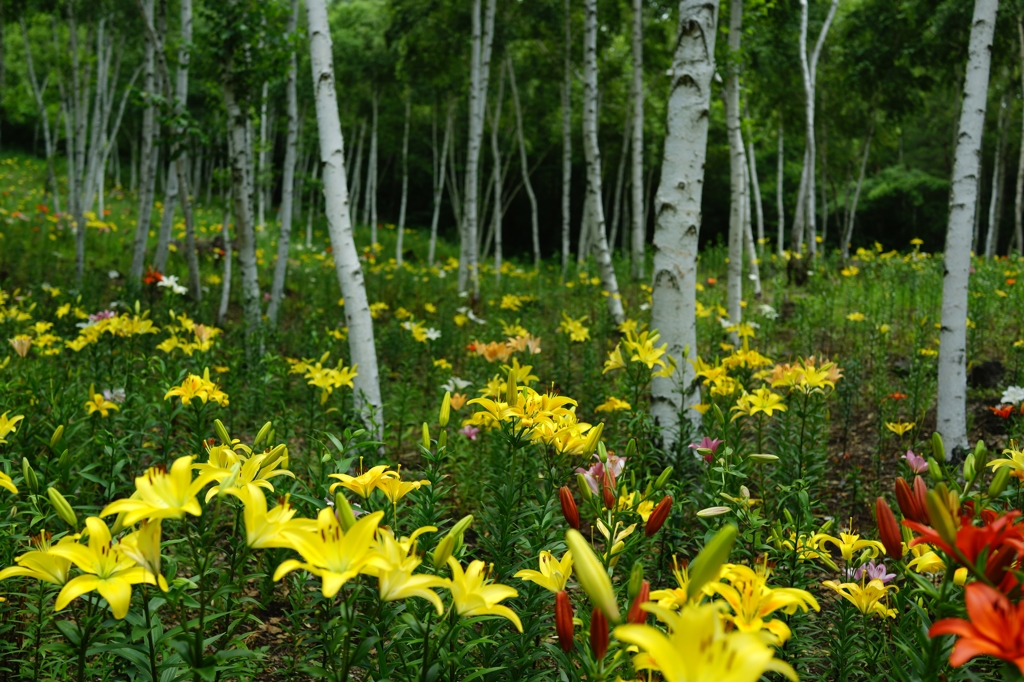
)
(149, 635)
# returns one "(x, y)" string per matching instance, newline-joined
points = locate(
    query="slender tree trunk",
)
(1018, 211)
(567, 141)
(995, 207)
(605, 268)
(756, 186)
(620, 177)
(288, 178)
(439, 178)
(737, 165)
(372, 172)
(534, 217)
(405, 179)
(357, 171)
(312, 202)
(497, 177)
(780, 246)
(678, 215)
(639, 231)
(748, 233)
(951, 417)
(48, 140)
(147, 166)
(225, 286)
(851, 217)
(261, 159)
(366, 395)
(166, 222)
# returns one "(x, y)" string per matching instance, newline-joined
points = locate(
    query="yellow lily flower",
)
(398, 560)
(847, 544)
(105, 567)
(762, 400)
(676, 597)
(475, 596)
(7, 483)
(143, 547)
(8, 426)
(162, 494)
(615, 360)
(331, 553)
(275, 528)
(554, 573)
(40, 563)
(365, 483)
(697, 648)
(251, 470)
(751, 600)
(867, 598)
(1014, 459)
(900, 427)
(100, 404)
(395, 488)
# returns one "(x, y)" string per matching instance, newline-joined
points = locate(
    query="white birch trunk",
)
(748, 233)
(567, 142)
(357, 169)
(371, 180)
(225, 285)
(405, 180)
(620, 177)
(756, 187)
(639, 227)
(497, 176)
(288, 178)
(363, 353)
(737, 165)
(605, 268)
(995, 203)
(951, 417)
(439, 178)
(1018, 211)
(851, 216)
(261, 160)
(166, 222)
(147, 165)
(312, 205)
(780, 245)
(534, 217)
(678, 213)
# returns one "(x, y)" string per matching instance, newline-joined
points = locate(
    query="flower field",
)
(177, 503)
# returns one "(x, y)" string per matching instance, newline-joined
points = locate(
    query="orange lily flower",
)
(995, 628)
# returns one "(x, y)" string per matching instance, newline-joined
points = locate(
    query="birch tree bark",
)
(225, 286)
(1018, 212)
(809, 70)
(748, 233)
(851, 216)
(605, 268)
(48, 141)
(356, 172)
(951, 414)
(288, 178)
(639, 227)
(534, 218)
(497, 176)
(620, 177)
(995, 203)
(312, 206)
(439, 177)
(147, 163)
(480, 66)
(346, 261)
(371, 179)
(756, 187)
(678, 214)
(405, 180)
(737, 165)
(780, 246)
(261, 160)
(567, 141)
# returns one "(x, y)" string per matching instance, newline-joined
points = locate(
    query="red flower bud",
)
(608, 489)
(657, 518)
(995, 568)
(637, 615)
(563, 621)
(888, 529)
(907, 501)
(598, 634)
(569, 510)
(920, 492)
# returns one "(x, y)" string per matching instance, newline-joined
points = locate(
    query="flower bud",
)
(920, 492)
(934, 469)
(260, 435)
(602, 452)
(888, 529)
(57, 435)
(443, 550)
(222, 432)
(62, 507)
(426, 436)
(711, 512)
(969, 471)
(636, 579)
(563, 621)
(512, 390)
(980, 454)
(593, 438)
(709, 562)
(275, 455)
(591, 574)
(460, 527)
(631, 448)
(446, 409)
(346, 519)
(637, 615)
(31, 480)
(938, 449)
(608, 488)
(442, 439)
(999, 483)
(64, 460)
(908, 503)
(941, 519)
(569, 509)
(598, 634)
(585, 492)
(657, 518)
(763, 457)
(663, 478)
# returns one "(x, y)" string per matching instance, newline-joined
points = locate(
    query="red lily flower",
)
(1003, 411)
(995, 628)
(1000, 536)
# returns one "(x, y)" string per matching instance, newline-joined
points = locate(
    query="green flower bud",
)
(585, 492)
(592, 576)
(942, 520)
(222, 432)
(999, 482)
(442, 440)
(980, 455)
(31, 480)
(426, 436)
(938, 449)
(443, 551)
(346, 519)
(709, 562)
(969, 470)
(663, 478)
(57, 435)
(636, 580)
(446, 409)
(460, 527)
(934, 470)
(631, 448)
(263, 433)
(62, 507)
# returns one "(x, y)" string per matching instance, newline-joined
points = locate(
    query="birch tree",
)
(534, 219)
(737, 165)
(951, 417)
(405, 180)
(780, 245)
(497, 176)
(678, 213)
(371, 172)
(1018, 212)
(346, 260)
(37, 92)
(439, 178)
(567, 140)
(288, 177)
(851, 216)
(148, 153)
(639, 227)
(606, 269)
(755, 186)
(995, 204)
